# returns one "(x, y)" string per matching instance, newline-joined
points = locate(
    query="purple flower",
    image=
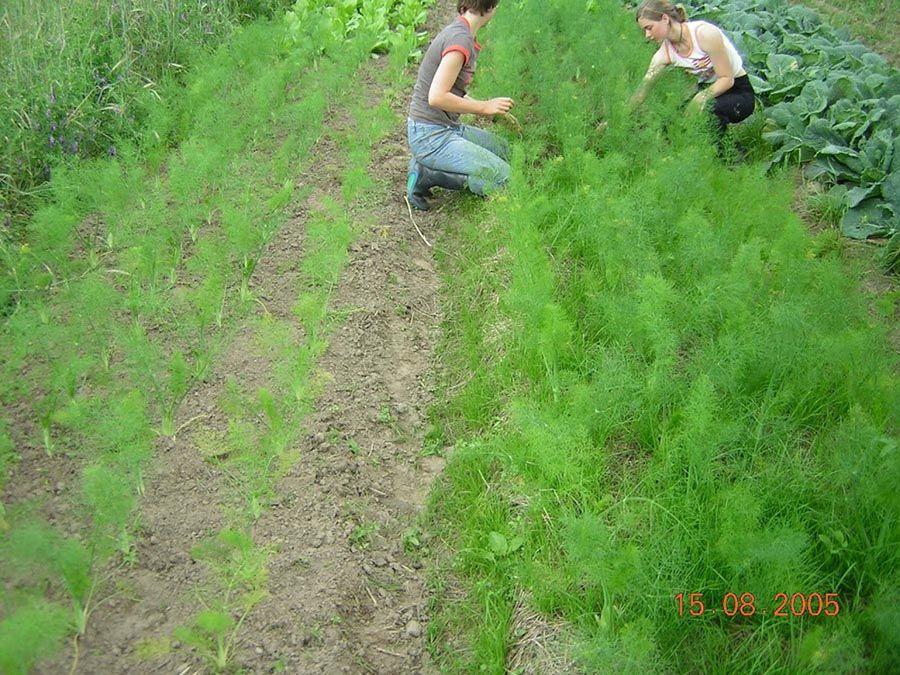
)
(73, 147)
(52, 126)
(52, 141)
(52, 97)
(112, 151)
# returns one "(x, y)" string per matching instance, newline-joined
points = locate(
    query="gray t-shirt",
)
(455, 37)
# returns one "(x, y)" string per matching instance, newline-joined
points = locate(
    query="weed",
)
(826, 207)
(384, 414)
(315, 633)
(412, 540)
(152, 649)
(828, 243)
(361, 536)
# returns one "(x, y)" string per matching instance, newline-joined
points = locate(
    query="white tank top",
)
(698, 62)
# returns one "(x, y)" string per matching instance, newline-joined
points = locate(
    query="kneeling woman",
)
(446, 153)
(705, 51)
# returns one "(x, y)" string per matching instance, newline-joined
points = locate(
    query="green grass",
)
(669, 387)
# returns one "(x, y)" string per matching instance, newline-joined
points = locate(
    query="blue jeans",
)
(473, 152)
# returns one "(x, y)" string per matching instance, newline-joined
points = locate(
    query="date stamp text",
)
(745, 604)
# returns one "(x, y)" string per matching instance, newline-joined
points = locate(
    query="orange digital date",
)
(796, 604)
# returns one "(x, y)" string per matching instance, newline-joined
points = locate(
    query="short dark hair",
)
(477, 6)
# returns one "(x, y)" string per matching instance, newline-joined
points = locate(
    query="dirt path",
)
(346, 590)
(344, 595)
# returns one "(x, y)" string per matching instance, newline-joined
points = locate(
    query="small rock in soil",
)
(413, 629)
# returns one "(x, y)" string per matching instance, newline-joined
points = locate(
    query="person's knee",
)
(504, 150)
(503, 172)
(490, 178)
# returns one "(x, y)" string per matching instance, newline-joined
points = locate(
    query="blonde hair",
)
(655, 10)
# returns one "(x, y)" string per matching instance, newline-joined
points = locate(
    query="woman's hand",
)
(657, 64)
(496, 106)
(698, 103)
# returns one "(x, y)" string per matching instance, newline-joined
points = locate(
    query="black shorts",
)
(736, 104)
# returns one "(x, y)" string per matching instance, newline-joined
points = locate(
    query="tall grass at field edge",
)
(80, 76)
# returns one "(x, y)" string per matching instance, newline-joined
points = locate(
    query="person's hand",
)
(497, 106)
(697, 104)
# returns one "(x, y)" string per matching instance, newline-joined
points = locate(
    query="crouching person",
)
(446, 153)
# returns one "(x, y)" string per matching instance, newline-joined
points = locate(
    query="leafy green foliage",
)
(29, 631)
(830, 102)
(380, 24)
(36, 550)
(238, 583)
(7, 457)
